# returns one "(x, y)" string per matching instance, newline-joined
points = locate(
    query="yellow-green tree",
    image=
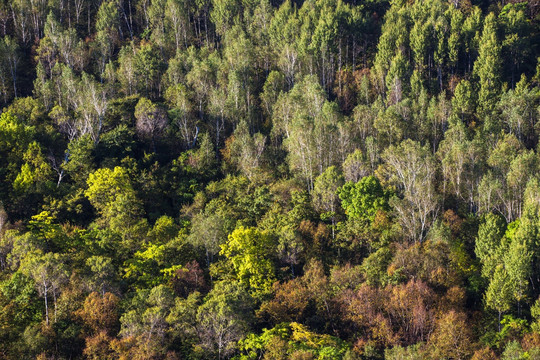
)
(250, 251)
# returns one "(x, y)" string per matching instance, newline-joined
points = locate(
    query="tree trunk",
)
(46, 304)
(55, 308)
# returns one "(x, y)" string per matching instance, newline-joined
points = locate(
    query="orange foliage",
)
(98, 347)
(452, 337)
(411, 307)
(484, 354)
(289, 303)
(530, 341)
(453, 221)
(100, 312)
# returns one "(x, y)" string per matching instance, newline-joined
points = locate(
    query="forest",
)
(269, 179)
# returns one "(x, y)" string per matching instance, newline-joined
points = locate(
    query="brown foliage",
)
(313, 294)
(289, 303)
(484, 354)
(453, 221)
(402, 314)
(315, 237)
(363, 306)
(346, 277)
(302, 355)
(407, 260)
(530, 341)
(189, 279)
(99, 313)
(452, 337)
(411, 308)
(429, 261)
(345, 89)
(98, 347)
(453, 299)
(364, 309)
(138, 348)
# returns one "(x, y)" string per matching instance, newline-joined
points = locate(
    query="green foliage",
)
(250, 252)
(363, 199)
(18, 307)
(325, 190)
(359, 177)
(490, 235)
(15, 136)
(487, 68)
(499, 292)
(35, 171)
(375, 266)
(291, 339)
(225, 316)
(111, 193)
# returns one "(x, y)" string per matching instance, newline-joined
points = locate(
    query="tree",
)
(273, 86)
(463, 101)
(156, 25)
(487, 68)
(102, 271)
(487, 246)
(290, 302)
(112, 195)
(499, 292)
(517, 262)
(148, 67)
(89, 99)
(292, 341)
(49, 274)
(178, 97)
(204, 158)
(15, 137)
(325, 193)
(517, 110)
(208, 232)
(35, 173)
(105, 186)
(390, 124)
(462, 163)
(80, 162)
(107, 36)
(396, 78)
(411, 307)
(516, 42)
(246, 150)
(224, 13)
(189, 279)
(151, 120)
(98, 347)
(18, 308)
(250, 252)
(363, 199)
(224, 318)
(143, 328)
(393, 36)
(126, 69)
(412, 169)
(355, 166)
(502, 188)
(100, 313)
(9, 64)
(309, 124)
(451, 338)
(178, 22)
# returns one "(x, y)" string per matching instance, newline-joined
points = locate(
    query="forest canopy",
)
(268, 179)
